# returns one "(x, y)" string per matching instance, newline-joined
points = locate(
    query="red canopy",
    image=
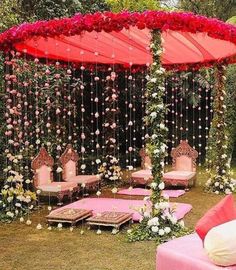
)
(125, 38)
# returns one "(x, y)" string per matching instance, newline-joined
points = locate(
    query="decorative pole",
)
(220, 180)
(155, 119)
(157, 222)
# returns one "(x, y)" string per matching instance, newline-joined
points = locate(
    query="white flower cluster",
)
(221, 185)
(155, 228)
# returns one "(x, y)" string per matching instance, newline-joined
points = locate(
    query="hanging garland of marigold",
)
(220, 180)
(158, 220)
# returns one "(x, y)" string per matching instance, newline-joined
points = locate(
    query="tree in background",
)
(48, 9)
(211, 8)
(133, 5)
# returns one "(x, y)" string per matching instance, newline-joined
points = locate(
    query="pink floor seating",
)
(42, 166)
(184, 166)
(69, 161)
(143, 176)
(185, 253)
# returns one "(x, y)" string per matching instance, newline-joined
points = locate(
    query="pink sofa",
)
(42, 166)
(143, 176)
(184, 166)
(69, 161)
(185, 253)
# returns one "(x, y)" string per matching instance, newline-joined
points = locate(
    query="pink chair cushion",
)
(146, 174)
(221, 213)
(44, 175)
(185, 253)
(57, 186)
(69, 169)
(179, 175)
(184, 163)
(84, 179)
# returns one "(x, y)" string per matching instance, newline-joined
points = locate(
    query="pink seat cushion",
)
(57, 186)
(221, 213)
(146, 174)
(180, 175)
(83, 179)
(185, 253)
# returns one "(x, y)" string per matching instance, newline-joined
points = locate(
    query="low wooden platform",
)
(68, 215)
(109, 219)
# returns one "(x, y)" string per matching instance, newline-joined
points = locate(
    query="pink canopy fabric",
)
(129, 47)
(124, 38)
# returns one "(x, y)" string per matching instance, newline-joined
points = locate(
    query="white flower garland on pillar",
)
(158, 221)
(220, 180)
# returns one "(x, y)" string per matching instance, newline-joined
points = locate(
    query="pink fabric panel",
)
(184, 163)
(179, 47)
(44, 175)
(99, 205)
(86, 179)
(180, 175)
(69, 170)
(185, 253)
(147, 192)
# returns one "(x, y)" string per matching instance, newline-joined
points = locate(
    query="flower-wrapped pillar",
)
(220, 180)
(158, 221)
(155, 119)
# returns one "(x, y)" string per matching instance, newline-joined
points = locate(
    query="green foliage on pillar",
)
(220, 180)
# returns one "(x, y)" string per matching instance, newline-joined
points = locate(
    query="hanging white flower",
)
(98, 193)
(39, 227)
(114, 190)
(161, 186)
(83, 167)
(99, 232)
(21, 219)
(98, 161)
(28, 222)
(59, 170)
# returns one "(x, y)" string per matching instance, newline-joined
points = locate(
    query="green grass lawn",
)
(25, 248)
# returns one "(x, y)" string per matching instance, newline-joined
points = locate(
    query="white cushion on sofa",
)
(220, 244)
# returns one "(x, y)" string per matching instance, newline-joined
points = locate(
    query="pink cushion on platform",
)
(83, 179)
(99, 205)
(221, 213)
(147, 192)
(185, 253)
(142, 173)
(180, 175)
(57, 186)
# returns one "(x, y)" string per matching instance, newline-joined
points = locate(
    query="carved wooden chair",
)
(184, 166)
(143, 176)
(69, 162)
(42, 166)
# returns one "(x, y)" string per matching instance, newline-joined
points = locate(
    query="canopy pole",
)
(156, 109)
